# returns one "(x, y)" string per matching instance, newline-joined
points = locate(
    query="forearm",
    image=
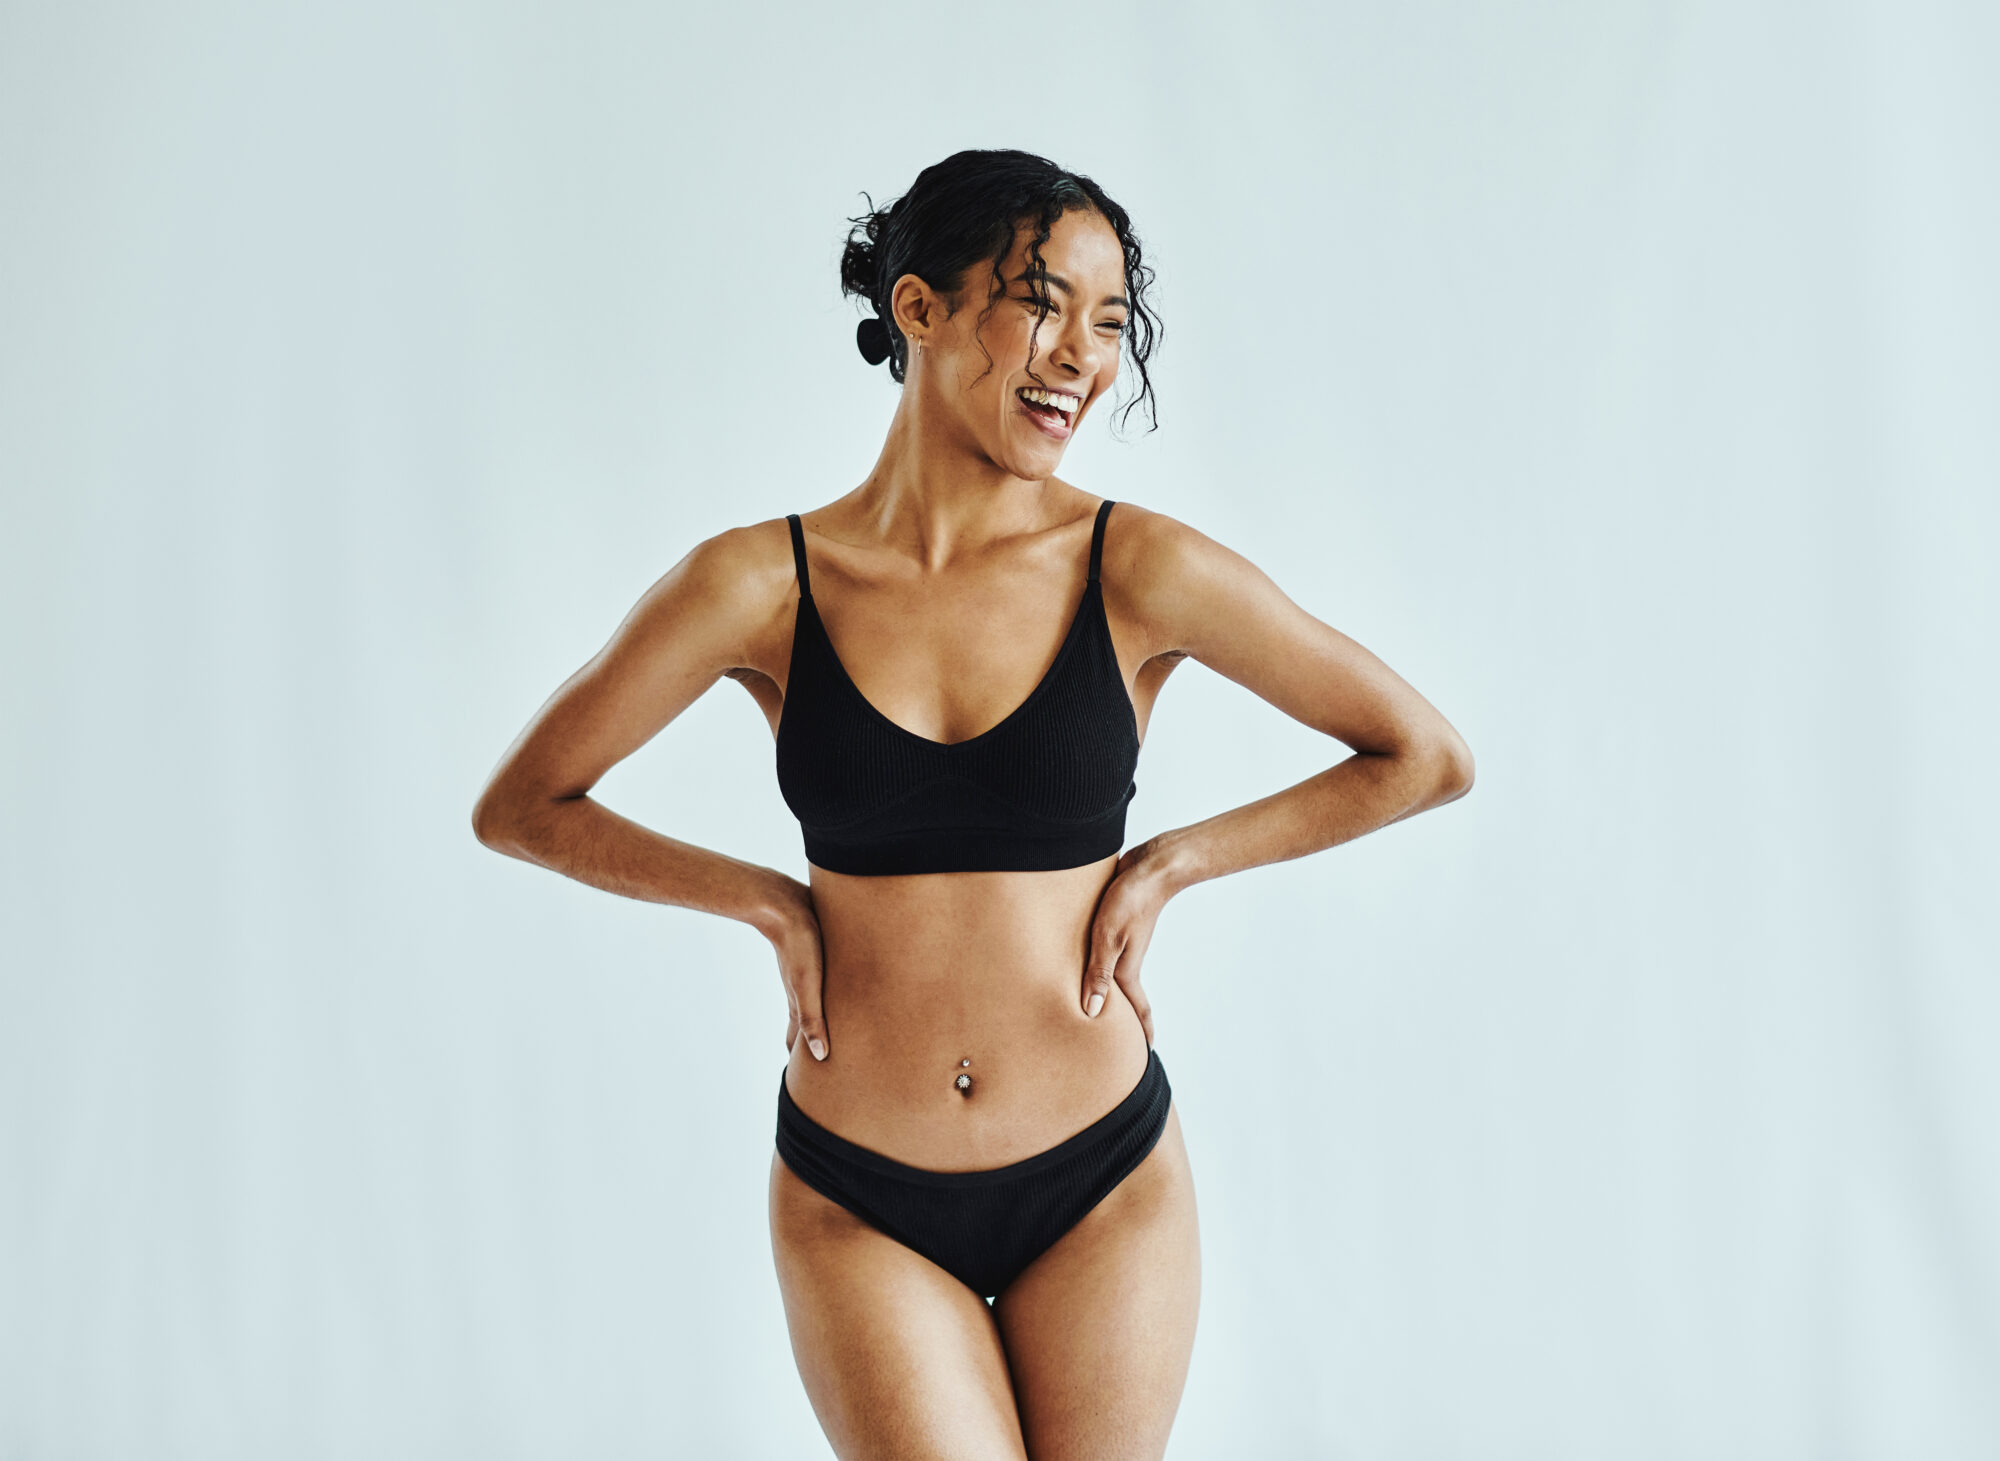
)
(584, 839)
(1365, 792)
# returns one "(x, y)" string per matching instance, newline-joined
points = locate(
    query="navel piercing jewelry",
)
(964, 1082)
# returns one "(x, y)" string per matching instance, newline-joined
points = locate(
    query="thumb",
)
(812, 1020)
(1097, 972)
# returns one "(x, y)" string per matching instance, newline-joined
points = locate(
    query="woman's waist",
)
(923, 926)
(966, 1073)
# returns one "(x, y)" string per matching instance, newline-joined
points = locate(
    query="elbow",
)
(1447, 765)
(1453, 760)
(492, 821)
(512, 818)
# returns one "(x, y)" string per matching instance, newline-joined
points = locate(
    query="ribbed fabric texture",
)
(983, 1228)
(1045, 788)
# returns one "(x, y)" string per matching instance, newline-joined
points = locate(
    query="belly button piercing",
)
(964, 1082)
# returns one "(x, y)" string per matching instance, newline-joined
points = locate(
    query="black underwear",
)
(983, 1227)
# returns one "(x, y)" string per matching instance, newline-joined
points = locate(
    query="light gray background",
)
(1623, 374)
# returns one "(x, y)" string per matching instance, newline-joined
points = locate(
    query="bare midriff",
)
(927, 972)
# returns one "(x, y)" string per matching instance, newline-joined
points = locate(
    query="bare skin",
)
(946, 581)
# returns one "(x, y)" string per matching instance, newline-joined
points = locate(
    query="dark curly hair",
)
(968, 208)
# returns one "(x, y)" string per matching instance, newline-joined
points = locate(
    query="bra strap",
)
(1097, 538)
(799, 554)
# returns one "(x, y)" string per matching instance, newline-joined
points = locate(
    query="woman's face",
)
(1021, 415)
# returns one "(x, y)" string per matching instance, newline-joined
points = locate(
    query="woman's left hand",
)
(1126, 912)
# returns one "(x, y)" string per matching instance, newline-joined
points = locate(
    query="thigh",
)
(899, 1358)
(1098, 1329)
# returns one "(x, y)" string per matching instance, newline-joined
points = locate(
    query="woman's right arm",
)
(697, 623)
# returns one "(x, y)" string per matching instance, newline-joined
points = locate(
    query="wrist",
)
(774, 912)
(1167, 863)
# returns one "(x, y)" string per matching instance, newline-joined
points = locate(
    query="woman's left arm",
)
(1183, 594)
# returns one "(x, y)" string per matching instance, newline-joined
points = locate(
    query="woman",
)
(972, 1110)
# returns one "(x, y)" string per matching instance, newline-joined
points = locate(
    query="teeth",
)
(1067, 404)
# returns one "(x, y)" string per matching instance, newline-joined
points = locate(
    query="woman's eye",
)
(1046, 308)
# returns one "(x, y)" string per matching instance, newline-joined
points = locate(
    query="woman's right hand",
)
(801, 964)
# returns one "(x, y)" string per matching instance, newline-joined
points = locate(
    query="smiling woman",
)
(982, 1211)
(996, 209)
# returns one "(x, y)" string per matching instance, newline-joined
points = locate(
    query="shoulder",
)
(722, 595)
(1176, 583)
(746, 564)
(1149, 556)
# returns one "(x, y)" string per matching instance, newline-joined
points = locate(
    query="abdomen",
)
(925, 972)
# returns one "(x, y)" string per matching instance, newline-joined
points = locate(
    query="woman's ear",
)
(916, 309)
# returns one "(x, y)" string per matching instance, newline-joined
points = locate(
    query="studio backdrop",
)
(1623, 374)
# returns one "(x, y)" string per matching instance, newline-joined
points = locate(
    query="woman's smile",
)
(1053, 412)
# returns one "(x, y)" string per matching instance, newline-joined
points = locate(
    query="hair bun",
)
(873, 338)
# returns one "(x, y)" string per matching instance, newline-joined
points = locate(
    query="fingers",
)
(1127, 974)
(1117, 944)
(1097, 975)
(1141, 1006)
(800, 966)
(811, 1020)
